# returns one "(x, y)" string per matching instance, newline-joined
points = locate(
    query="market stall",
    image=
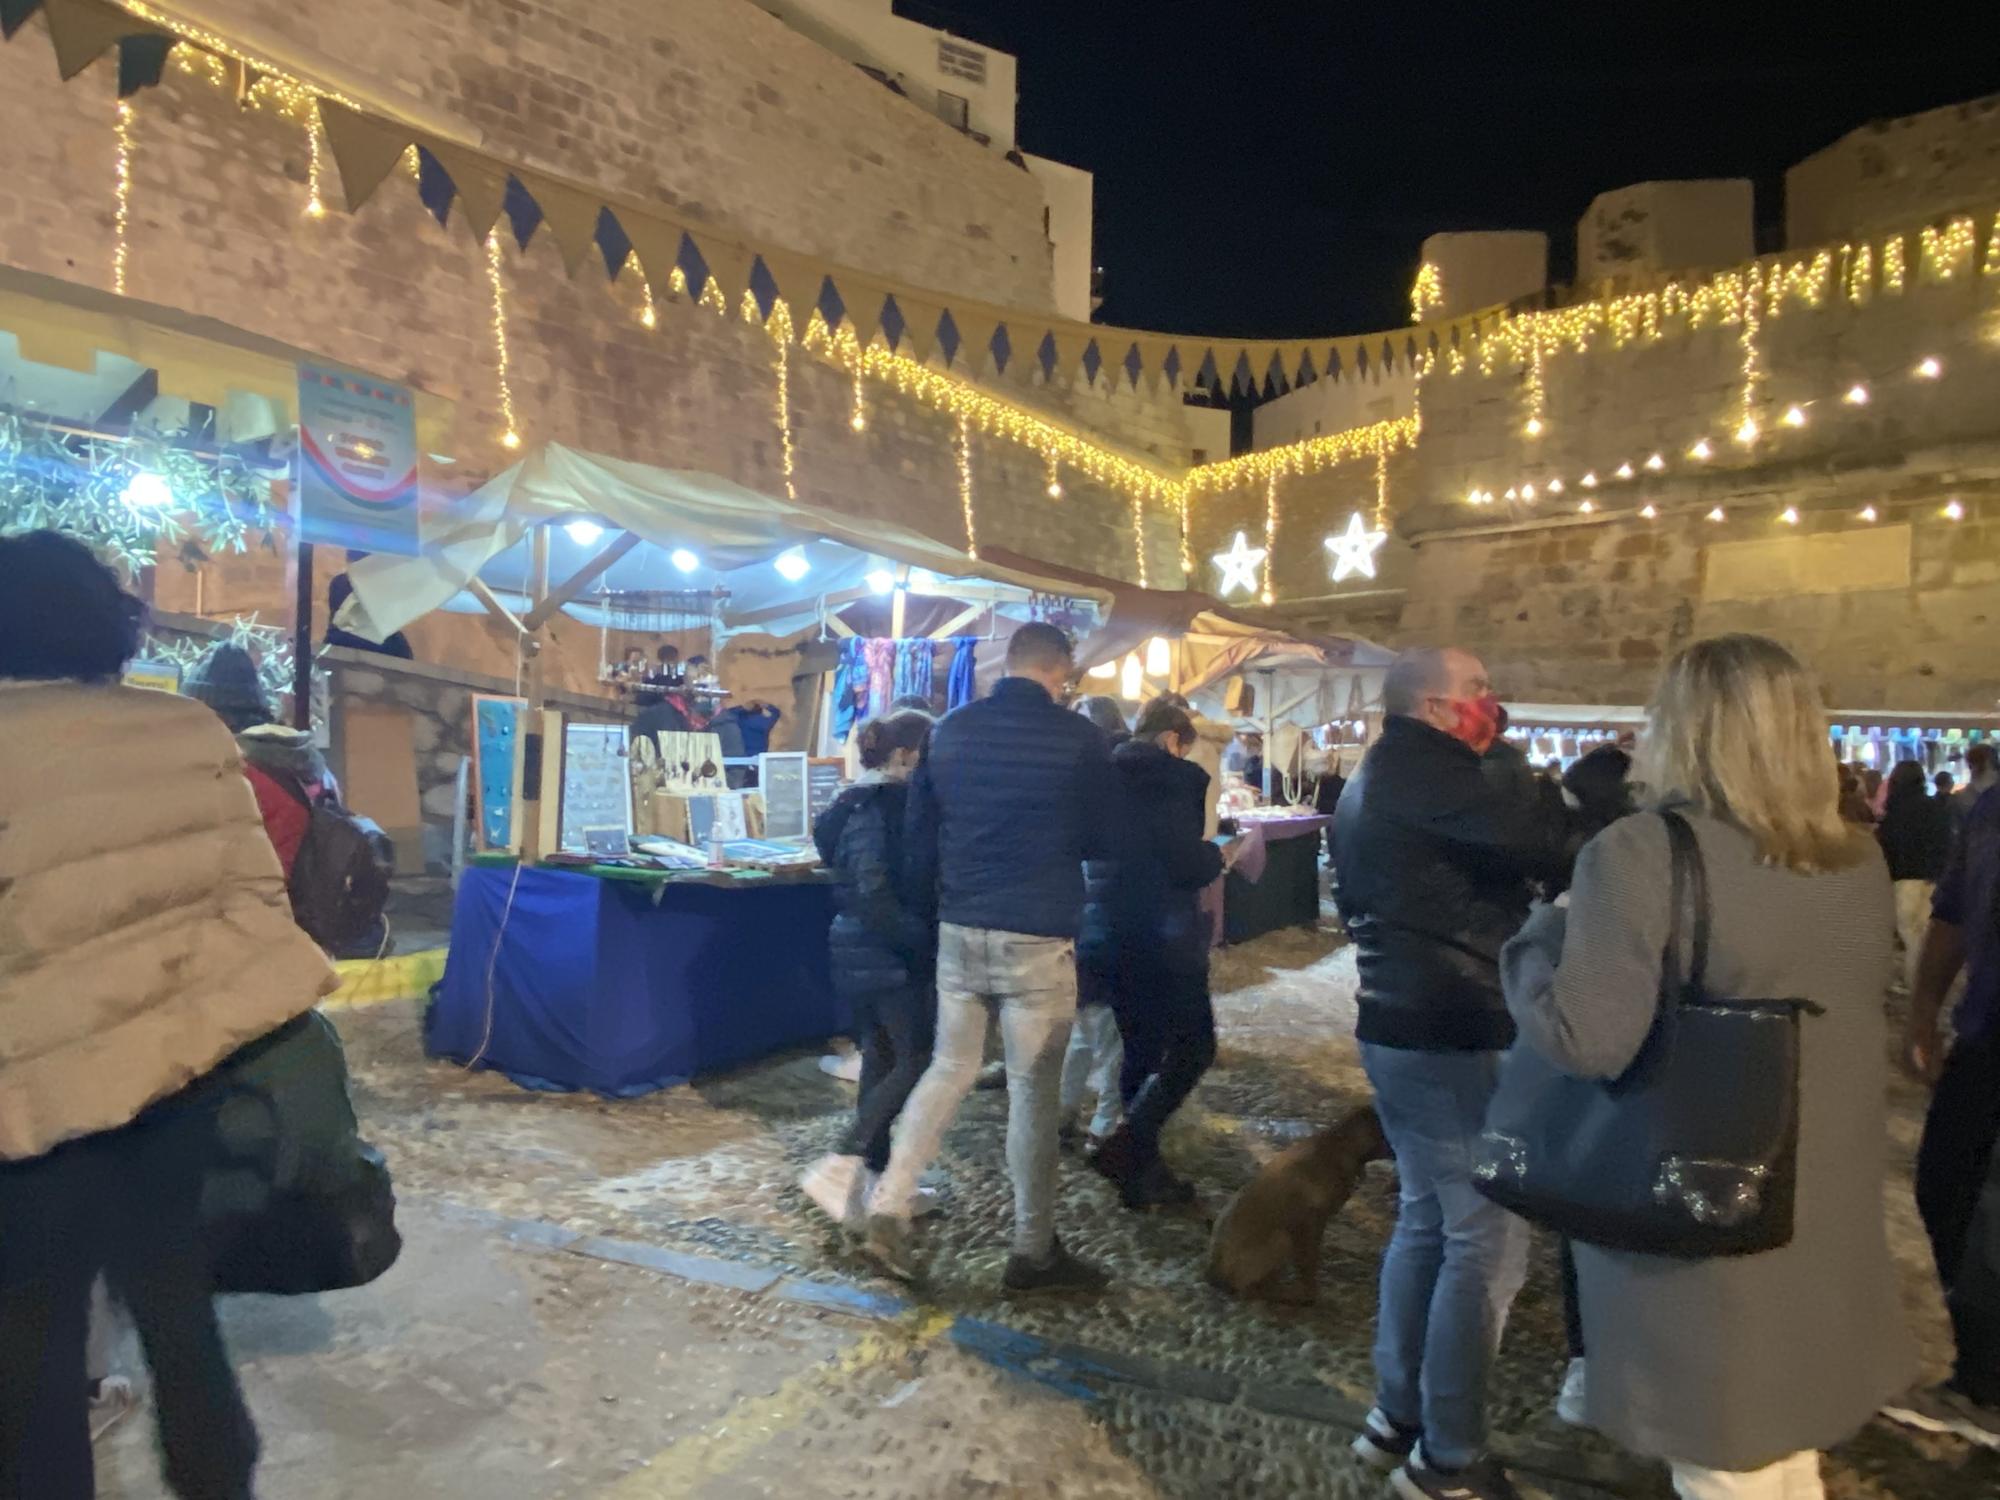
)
(622, 981)
(635, 919)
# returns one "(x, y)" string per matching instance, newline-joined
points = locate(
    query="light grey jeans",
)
(1031, 983)
(1096, 1054)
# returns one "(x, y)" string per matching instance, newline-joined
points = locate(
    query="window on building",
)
(1198, 455)
(956, 60)
(955, 110)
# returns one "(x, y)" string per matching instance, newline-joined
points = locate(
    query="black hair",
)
(1161, 717)
(666, 653)
(1907, 781)
(63, 614)
(881, 738)
(1040, 646)
(909, 701)
(1979, 759)
(1599, 782)
(1104, 712)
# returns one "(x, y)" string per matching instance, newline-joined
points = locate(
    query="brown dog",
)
(1280, 1216)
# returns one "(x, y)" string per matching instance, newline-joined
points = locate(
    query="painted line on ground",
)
(1079, 1371)
(732, 1439)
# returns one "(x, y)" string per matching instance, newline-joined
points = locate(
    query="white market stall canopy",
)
(783, 562)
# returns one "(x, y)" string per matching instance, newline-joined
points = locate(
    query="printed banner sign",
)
(357, 462)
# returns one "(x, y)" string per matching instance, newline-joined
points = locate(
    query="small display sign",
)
(782, 777)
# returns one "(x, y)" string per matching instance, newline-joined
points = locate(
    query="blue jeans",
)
(1456, 1259)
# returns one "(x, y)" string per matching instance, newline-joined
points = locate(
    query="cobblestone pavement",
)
(485, 1365)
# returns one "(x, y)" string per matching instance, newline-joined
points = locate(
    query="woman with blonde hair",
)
(1737, 1370)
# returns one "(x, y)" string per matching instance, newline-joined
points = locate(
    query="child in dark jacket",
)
(1145, 927)
(883, 956)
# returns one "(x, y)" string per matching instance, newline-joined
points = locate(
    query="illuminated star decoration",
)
(1239, 566)
(1354, 549)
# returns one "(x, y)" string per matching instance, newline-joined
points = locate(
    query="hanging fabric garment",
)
(850, 689)
(914, 664)
(881, 675)
(963, 686)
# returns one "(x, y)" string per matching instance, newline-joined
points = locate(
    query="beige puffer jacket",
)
(145, 933)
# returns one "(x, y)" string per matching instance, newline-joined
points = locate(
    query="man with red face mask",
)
(1434, 861)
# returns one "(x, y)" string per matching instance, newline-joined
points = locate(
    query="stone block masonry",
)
(711, 106)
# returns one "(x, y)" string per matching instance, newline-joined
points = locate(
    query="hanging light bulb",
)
(882, 581)
(1512, 493)
(1132, 681)
(685, 560)
(1953, 511)
(1929, 368)
(148, 491)
(1857, 395)
(1657, 462)
(1625, 471)
(1555, 486)
(1534, 427)
(1795, 416)
(1789, 515)
(1701, 450)
(792, 565)
(1717, 515)
(1868, 513)
(1528, 492)
(1587, 507)
(1103, 670)
(1589, 480)
(1747, 433)
(1649, 510)
(1158, 660)
(859, 421)
(583, 533)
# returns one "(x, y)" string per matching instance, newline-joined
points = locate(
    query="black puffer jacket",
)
(877, 941)
(1143, 902)
(1434, 865)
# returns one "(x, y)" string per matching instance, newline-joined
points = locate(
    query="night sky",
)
(1270, 169)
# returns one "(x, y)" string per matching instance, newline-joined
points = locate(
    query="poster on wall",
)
(357, 461)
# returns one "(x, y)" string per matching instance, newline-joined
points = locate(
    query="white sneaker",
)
(115, 1400)
(837, 1187)
(1569, 1403)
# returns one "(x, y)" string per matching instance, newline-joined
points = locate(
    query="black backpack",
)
(340, 879)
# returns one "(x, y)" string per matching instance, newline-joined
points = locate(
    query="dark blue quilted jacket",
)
(877, 942)
(1015, 795)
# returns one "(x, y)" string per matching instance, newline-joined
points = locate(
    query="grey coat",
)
(1735, 1363)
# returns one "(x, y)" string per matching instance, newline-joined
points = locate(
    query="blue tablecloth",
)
(596, 987)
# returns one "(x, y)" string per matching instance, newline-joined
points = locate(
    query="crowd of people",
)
(1042, 867)
(1024, 864)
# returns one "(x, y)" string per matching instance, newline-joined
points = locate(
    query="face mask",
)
(1476, 721)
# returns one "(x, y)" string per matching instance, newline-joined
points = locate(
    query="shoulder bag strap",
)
(1691, 906)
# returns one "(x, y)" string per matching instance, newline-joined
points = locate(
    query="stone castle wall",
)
(711, 106)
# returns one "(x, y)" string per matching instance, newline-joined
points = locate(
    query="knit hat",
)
(226, 680)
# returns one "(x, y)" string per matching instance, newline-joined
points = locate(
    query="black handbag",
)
(1693, 1151)
(294, 1200)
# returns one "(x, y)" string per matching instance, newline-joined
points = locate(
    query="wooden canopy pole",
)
(548, 600)
(535, 646)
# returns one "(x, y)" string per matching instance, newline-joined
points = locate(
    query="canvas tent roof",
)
(736, 534)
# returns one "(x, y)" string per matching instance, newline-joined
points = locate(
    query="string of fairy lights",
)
(1592, 492)
(1533, 343)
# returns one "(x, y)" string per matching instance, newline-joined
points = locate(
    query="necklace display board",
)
(596, 814)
